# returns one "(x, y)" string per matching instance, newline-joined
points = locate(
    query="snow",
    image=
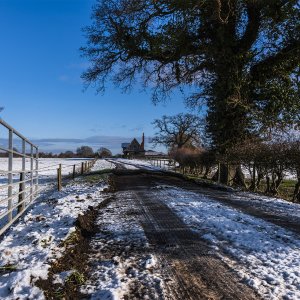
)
(276, 205)
(103, 164)
(116, 275)
(266, 256)
(61, 277)
(136, 164)
(47, 174)
(34, 242)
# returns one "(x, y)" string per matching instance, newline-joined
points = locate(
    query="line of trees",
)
(266, 163)
(81, 152)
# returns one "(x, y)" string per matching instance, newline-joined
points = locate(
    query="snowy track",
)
(212, 248)
(191, 268)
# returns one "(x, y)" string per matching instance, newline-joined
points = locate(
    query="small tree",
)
(85, 151)
(104, 152)
(182, 130)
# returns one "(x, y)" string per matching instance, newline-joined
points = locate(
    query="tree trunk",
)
(296, 196)
(226, 174)
(230, 174)
(268, 185)
(273, 184)
(207, 170)
(278, 181)
(253, 179)
(260, 176)
(239, 177)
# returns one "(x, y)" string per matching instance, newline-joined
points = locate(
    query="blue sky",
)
(40, 85)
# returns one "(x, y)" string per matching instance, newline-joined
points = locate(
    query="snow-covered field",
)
(47, 166)
(266, 256)
(29, 247)
(47, 175)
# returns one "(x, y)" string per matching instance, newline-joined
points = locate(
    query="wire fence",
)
(165, 163)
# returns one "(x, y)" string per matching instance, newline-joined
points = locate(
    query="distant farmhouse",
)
(138, 149)
(134, 148)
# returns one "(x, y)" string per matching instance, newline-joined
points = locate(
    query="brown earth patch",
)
(75, 258)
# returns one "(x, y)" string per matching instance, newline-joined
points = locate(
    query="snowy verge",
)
(266, 256)
(30, 246)
(279, 206)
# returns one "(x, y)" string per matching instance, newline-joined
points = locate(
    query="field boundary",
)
(22, 185)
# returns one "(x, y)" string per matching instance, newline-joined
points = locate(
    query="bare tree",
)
(104, 152)
(182, 130)
(85, 151)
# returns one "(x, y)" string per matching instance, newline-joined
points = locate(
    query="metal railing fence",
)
(21, 184)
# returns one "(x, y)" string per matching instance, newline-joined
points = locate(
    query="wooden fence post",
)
(227, 179)
(59, 179)
(21, 192)
(74, 171)
(82, 168)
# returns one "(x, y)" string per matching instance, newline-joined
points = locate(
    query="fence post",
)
(254, 177)
(21, 192)
(74, 171)
(22, 176)
(219, 172)
(36, 170)
(10, 176)
(82, 166)
(31, 173)
(59, 179)
(227, 177)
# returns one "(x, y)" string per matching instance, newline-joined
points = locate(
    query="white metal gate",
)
(18, 174)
